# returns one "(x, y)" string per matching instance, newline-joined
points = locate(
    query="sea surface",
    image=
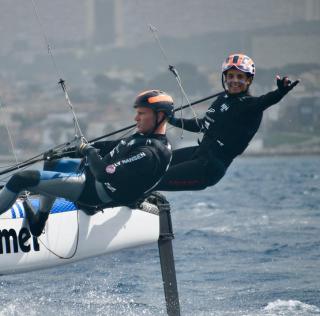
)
(250, 246)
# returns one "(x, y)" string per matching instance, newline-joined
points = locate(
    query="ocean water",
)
(250, 246)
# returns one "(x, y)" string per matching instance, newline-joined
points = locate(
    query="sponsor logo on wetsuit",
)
(133, 158)
(132, 142)
(110, 187)
(14, 242)
(224, 107)
(111, 169)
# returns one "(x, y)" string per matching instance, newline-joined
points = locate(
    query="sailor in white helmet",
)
(228, 126)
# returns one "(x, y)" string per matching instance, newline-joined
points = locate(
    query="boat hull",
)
(71, 235)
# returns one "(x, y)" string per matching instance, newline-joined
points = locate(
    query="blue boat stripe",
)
(20, 210)
(60, 206)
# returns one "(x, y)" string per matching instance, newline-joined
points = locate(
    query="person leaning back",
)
(228, 126)
(115, 172)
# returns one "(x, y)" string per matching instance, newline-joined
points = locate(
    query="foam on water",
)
(291, 307)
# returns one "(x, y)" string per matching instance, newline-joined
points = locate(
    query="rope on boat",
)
(76, 246)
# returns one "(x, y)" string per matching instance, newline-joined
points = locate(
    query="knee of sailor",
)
(215, 171)
(23, 179)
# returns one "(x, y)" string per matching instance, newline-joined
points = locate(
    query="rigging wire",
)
(3, 109)
(32, 160)
(172, 69)
(39, 157)
(128, 132)
(78, 131)
(25, 193)
(12, 146)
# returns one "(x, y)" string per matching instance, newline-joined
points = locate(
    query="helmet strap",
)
(222, 82)
(157, 124)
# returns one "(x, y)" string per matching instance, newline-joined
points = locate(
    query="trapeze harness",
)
(228, 126)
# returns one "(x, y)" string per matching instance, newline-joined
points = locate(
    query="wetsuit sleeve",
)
(139, 162)
(191, 125)
(105, 147)
(265, 101)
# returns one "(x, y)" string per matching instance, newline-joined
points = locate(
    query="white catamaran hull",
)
(71, 235)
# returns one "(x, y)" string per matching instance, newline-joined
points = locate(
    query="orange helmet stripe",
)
(160, 98)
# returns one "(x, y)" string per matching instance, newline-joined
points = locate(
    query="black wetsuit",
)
(127, 168)
(228, 126)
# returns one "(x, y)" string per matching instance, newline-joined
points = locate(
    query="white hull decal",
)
(71, 235)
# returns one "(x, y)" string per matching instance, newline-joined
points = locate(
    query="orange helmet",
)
(156, 100)
(240, 62)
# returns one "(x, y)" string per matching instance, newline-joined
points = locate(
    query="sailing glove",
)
(84, 148)
(285, 85)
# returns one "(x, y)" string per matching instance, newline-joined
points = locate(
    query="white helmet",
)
(241, 62)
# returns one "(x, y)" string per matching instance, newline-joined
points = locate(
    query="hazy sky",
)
(75, 19)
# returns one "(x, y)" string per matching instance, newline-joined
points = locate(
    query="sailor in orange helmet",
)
(228, 126)
(116, 172)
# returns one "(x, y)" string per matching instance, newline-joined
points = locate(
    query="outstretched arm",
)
(265, 101)
(191, 125)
